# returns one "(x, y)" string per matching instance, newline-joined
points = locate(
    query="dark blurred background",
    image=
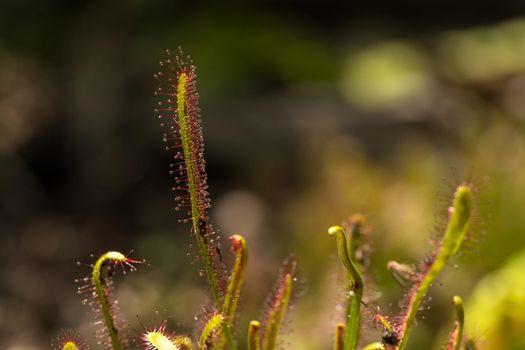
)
(311, 112)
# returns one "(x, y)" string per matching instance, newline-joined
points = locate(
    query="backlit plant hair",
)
(211, 331)
(69, 340)
(158, 339)
(458, 225)
(184, 343)
(101, 303)
(277, 305)
(178, 110)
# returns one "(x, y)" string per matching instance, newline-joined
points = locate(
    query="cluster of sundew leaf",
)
(180, 114)
(396, 335)
(180, 117)
(213, 335)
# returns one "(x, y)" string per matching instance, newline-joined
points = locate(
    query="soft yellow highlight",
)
(70, 346)
(159, 341)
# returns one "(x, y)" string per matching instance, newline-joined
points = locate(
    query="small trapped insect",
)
(390, 338)
(403, 273)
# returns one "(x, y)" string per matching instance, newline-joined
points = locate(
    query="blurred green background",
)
(311, 112)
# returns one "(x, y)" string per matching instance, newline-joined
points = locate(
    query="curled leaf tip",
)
(233, 291)
(255, 325)
(460, 213)
(119, 258)
(355, 287)
(463, 201)
(100, 275)
(458, 302)
(457, 333)
(254, 342)
(238, 242)
(335, 229)
(339, 340)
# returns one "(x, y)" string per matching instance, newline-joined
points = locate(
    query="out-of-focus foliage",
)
(485, 53)
(496, 305)
(384, 75)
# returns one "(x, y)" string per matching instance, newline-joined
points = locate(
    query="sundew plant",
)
(179, 115)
